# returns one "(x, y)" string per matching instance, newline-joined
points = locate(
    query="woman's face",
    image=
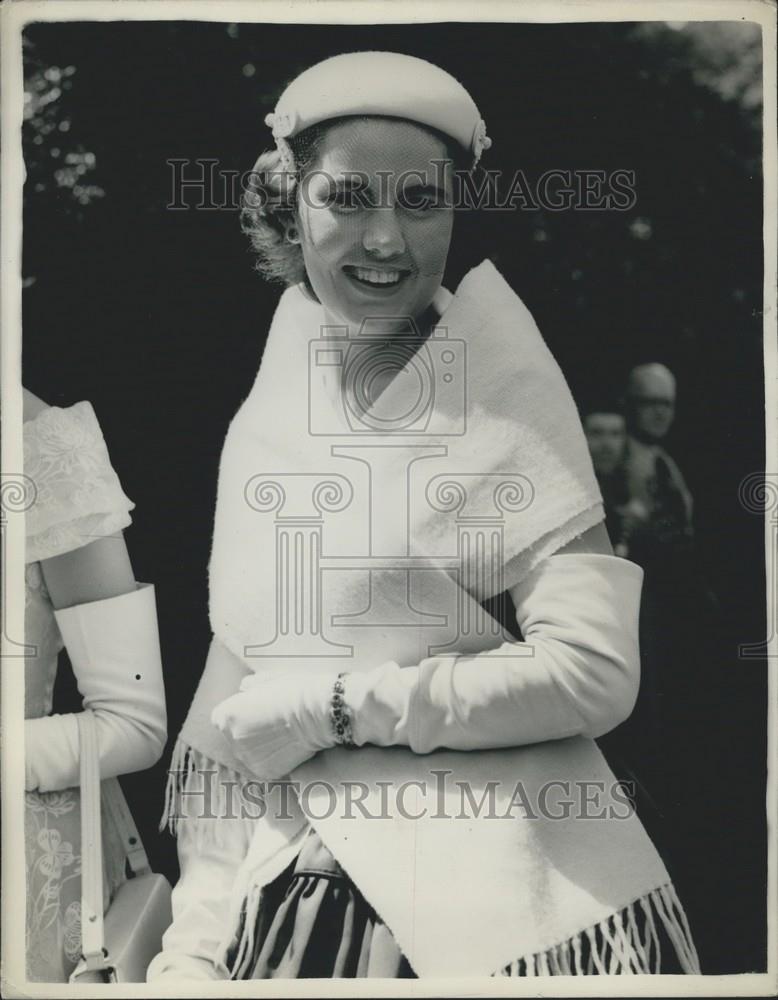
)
(373, 242)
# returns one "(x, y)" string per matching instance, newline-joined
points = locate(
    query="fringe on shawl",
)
(193, 775)
(613, 947)
(205, 795)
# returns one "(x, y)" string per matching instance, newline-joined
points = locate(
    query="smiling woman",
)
(422, 448)
(372, 197)
(386, 257)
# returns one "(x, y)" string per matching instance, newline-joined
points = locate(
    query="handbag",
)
(116, 947)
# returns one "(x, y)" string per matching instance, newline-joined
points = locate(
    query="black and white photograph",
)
(389, 497)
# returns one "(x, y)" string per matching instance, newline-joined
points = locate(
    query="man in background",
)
(606, 435)
(670, 739)
(631, 748)
(653, 480)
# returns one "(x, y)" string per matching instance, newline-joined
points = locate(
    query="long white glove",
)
(114, 649)
(202, 901)
(578, 614)
(576, 673)
(278, 720)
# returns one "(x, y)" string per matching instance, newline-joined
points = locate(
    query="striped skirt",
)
(313, 922)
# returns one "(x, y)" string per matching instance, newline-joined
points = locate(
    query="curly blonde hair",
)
(269, 203)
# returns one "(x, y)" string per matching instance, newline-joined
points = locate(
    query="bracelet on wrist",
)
(340, 716)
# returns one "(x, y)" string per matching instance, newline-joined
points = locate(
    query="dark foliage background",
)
(157, 318)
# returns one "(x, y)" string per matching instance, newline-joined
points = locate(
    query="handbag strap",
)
(92, 791)
(115, 802)
(91, 846)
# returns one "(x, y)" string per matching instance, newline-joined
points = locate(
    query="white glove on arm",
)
(279, 719)
(578, 614)
(576, 673)
(114, 649)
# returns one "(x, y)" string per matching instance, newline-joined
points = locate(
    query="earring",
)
(292, 235)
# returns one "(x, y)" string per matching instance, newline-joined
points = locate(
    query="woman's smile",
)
(373, 280)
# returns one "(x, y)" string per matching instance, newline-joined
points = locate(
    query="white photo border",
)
(14, 17)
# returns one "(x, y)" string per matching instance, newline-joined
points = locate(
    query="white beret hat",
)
(380, 83)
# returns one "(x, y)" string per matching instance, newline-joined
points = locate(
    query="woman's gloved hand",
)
(279, 719)
(576, 673)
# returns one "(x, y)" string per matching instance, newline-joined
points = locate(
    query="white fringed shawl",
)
(337, 548)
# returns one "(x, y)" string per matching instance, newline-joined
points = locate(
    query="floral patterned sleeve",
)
(78, 496)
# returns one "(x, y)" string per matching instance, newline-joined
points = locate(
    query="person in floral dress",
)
(80, 594)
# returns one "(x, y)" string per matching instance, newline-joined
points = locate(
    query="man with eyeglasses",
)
(653, 478)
